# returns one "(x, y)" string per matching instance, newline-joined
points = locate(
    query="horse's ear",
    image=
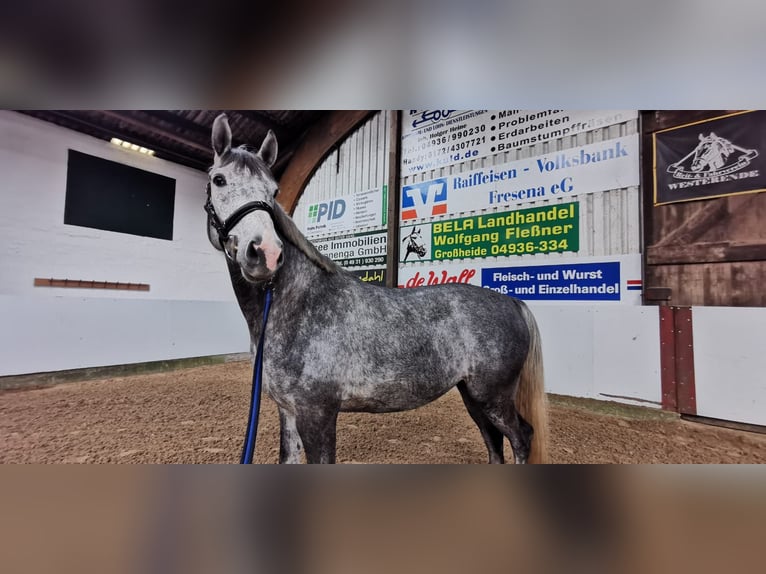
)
(221, 135)
(701, 138)
(268, 151)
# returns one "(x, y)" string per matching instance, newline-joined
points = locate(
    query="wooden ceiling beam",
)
(264, 119)
(109, 132)
(182, 122)
(146, 126)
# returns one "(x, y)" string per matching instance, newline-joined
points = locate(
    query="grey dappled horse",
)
(334, 343)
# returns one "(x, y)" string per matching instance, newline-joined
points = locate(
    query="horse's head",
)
(241, 203)
(711, 152)
(702, 153)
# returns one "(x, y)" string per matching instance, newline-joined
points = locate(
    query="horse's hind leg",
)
(493, 438)
(290, 444)
(502, 414)
(317, 430)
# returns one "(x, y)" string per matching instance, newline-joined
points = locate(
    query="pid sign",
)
(329, 216)
(327, 210)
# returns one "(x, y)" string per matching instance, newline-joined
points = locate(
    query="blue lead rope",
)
(255, 400)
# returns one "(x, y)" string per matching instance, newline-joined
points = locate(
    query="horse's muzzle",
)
(259, 261)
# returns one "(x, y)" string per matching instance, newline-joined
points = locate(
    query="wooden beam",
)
(319, 141)
(262, 119)
(87, 284)
(187, 124)
(686, 389)
(394, 159)
(144, 126)
(662, 119)
(668, 381)
(712, 252)
(657, 295)
(108, 131)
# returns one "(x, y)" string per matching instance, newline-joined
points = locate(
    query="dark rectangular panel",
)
(107, 195)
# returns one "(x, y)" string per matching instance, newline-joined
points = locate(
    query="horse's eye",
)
(219, 180)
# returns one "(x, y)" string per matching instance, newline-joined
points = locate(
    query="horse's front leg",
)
(290, 444)
(316, 426)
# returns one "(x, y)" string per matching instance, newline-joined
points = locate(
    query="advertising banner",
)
(355, 250)
(375, 276)
(437, 138)
(711, 158)
(570, 282)
(537, 230)
(610, 164)
(346, 213)
(574, 279)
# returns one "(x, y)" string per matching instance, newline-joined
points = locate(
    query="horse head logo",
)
(415, 244)
(711, 153)
(713, 156)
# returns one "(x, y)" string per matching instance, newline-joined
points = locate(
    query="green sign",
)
(537, 230)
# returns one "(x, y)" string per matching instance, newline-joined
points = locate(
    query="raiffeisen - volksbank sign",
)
(611, 164)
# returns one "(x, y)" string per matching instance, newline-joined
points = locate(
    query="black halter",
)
(223, 228)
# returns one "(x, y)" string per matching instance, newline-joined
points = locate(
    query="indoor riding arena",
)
(133, 306)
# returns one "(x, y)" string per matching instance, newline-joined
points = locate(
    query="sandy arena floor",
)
(198, 415)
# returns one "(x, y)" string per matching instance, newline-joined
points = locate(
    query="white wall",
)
(34, 242)
(606, 353)
(730, 363)
(43, 334)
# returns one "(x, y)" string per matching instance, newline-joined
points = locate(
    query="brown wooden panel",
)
(661, 295)
(689, 222)
(728, 284)
(708, 252)
(749, 213)
(84, 284)
(724, 251)
(668, 359)
(685, 383)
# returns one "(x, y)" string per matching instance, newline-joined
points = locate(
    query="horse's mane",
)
(291, 233)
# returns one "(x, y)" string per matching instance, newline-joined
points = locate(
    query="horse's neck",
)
(298, 278)
(298, 275)
(251, 298)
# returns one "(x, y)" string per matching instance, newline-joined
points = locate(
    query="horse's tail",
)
(530, 397)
